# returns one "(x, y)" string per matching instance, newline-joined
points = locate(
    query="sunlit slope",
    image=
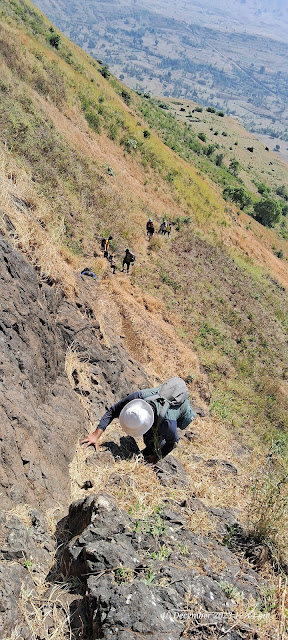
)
(76, 154)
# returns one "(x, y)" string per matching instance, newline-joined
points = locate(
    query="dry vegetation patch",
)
(32, 227)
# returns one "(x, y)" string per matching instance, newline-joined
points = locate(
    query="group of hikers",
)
(155, 413)
(165, 227)
(127, 260)
(105, 246)
(129, 257)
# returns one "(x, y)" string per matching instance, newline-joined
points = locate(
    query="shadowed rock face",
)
(41, 416)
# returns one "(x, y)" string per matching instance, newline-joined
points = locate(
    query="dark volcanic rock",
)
(137, 579)
(223, 465)
(25, 544)
(97, 519)
(12, 579)
(129, 611)
(41, 417)
(171, 472)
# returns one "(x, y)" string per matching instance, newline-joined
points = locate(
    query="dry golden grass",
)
(78, 374)
(37, 232)
(256, 244)
(267, 513)
(150, 338)
(74, 362)
(133, 482)
(46, 616)
(270, 622)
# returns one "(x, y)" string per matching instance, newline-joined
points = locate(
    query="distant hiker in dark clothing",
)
(128, 258)
(154, 414)
(150, 229)
(163, 227)
(88, 272)
(112, 263)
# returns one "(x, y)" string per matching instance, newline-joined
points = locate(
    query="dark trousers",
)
(152, 442)
(127, 263)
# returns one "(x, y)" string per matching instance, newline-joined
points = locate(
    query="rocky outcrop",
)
(153, 577)
(12, 580)
(41, 417)
(148, 579)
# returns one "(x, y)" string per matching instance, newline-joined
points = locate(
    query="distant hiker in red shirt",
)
(150, 229)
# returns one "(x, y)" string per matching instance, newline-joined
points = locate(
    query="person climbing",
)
(154, 413)
(163, 227)
(150, 230)
(168, 229)
(105, 245)
(112, 263)
(128, 258)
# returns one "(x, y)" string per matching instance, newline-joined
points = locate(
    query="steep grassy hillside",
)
(227, 135)
(189, 50)
(64, 124)
(79, 161)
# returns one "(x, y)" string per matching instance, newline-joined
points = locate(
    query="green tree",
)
(282, 191)
(263, 189)
(234, 167)
(105, 71)
(54, 40)
(219, 159)
(237, 195)
(209, 149)
(202, 136)
(126, 96)
(267, 211)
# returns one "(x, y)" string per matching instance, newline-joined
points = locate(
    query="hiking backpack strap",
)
(165, 406)
(171, 394)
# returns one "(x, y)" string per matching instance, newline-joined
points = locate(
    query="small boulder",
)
(223, 465)
(171, 472)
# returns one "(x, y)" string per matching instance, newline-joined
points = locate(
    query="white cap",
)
(136, 417)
